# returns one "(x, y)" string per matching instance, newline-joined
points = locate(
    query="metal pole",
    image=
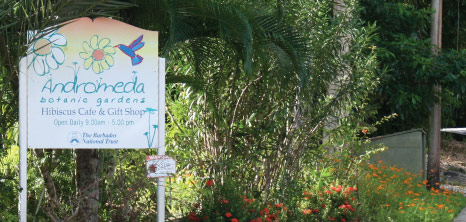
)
(22, 205)
(161, 140)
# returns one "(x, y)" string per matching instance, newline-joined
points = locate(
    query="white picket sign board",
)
(94, 84)
(160, 166)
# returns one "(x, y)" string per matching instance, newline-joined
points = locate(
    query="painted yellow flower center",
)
(42, 47)
(98, 54)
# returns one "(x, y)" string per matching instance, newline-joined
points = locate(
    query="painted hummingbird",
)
(131, 49)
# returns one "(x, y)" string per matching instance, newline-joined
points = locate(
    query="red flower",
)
(209, 183)
(338, 189)
(315, 211)
(192, 217)
(322, 206)
(346, 206)
(226, 201)
(195, 219)
(343, 219)
(234, 220)
(364, 131)
(266, 210)
(251, 210)
(228, 214)
(272, 216)
(328, 192)
(279, 205)
(331, 218)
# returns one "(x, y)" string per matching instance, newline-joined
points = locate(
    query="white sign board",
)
(160, 166)
(94, 84)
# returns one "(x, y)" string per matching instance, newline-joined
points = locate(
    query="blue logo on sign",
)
(74, 138)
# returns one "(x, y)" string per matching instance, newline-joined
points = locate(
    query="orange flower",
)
(373, 167)
(228, 214)
(307, 211)
(364, 131)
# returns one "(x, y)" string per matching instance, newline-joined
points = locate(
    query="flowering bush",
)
(398, 195)
(332, 203)
(383, 193)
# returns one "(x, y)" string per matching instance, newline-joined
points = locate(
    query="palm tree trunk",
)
(87, 168)
(339, 8)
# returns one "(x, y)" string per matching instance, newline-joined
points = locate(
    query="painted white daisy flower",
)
(46, 53)
(97, 54)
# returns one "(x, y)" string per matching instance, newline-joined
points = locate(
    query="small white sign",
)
(160, 166)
